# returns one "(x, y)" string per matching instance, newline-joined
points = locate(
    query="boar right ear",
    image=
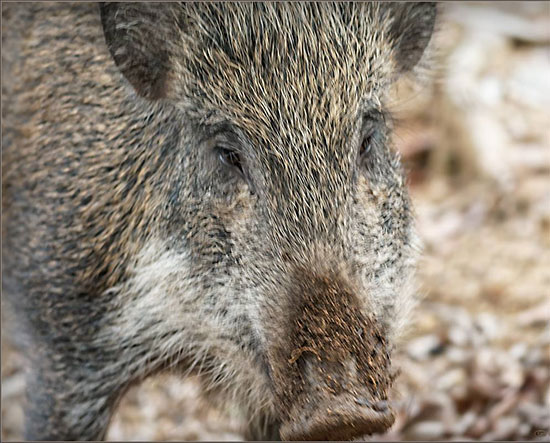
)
(411, 28)
(139, 37)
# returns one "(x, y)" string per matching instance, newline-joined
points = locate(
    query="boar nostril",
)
(378, 406)
(363, 402)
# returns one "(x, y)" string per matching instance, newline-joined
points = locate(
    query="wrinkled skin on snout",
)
(208, 188)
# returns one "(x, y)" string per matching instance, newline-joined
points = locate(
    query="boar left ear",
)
(410, 31)
(140, 38)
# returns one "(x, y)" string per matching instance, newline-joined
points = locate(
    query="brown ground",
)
(476, 138)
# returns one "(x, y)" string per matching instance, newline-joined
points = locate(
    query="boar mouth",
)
(330, 366)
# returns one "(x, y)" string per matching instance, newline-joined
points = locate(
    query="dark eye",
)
(372, 138)
(230, 158)
(366, 144)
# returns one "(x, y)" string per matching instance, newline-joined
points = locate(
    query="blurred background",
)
(474, 133)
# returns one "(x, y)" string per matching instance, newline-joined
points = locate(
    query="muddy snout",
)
(341, 419)
(334, 407)
(332, 368)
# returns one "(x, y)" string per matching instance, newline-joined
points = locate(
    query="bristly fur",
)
(129, 248)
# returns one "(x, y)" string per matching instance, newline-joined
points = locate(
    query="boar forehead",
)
(293, 77)
(285, 71)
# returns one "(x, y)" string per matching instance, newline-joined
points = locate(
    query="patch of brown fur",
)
(95, 196)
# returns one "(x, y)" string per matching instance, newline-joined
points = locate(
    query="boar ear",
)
(139, 37)
(410, 30)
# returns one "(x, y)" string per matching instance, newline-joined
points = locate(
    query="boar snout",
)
(331, 367)
(338, 418)
(334, 405)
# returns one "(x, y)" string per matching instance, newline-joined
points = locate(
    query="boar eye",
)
(366, 144)
(230, 158)
(372, 136)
